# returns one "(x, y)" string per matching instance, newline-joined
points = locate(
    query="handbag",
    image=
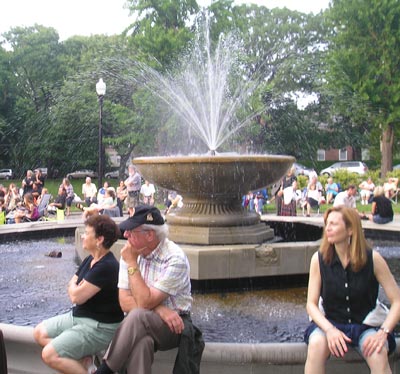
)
(376, 316)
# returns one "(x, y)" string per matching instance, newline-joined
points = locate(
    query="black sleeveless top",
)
(348, 296)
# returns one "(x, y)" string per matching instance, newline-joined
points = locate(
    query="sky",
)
(90, 17)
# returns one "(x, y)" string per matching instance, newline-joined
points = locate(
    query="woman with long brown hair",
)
(345, 275)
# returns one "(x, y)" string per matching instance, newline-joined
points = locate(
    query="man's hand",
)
(129, 254)
(171, 318)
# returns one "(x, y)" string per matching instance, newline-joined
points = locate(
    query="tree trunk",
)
(387, 150)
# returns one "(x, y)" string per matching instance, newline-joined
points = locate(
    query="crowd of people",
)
(32, 200)
(288, 197)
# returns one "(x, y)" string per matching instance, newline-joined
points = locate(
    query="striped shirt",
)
(166, 269)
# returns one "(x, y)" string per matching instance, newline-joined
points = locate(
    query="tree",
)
(364, 65)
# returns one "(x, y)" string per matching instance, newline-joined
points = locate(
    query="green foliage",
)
(363, 74)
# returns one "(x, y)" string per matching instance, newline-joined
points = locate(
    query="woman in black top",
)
(69, 339)
(381, 209)
(345, 273)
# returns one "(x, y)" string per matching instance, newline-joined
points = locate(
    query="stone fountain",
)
(212, 185)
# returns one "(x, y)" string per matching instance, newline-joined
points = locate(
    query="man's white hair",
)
(160, 230)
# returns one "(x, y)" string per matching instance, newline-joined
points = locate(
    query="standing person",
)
(147, 191)
(39, 180)
(366, 189)
(122, 193)
(70, 195)
(133, 184)
(381, 209)
(27, 183)
(346, 274)
(89, 191)
(155, 291)
(89, 327)
(346, 198)
(287, 181)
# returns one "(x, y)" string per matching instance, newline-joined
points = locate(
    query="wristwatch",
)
(132, 270)
(384, 329)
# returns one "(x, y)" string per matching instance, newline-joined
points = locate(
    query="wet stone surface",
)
(33, 286)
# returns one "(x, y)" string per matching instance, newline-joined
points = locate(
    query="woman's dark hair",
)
(104, 226)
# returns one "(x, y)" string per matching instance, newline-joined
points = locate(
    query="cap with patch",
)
(143, 215)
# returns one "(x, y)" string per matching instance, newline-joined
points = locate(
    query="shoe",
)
(80, 206)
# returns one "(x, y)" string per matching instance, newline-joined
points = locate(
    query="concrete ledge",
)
(24, 357)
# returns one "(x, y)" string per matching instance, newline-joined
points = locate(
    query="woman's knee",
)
(40, 334)
(318, 347)
(379, 362)
(49, 354)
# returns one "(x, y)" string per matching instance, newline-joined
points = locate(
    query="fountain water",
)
(207, 98)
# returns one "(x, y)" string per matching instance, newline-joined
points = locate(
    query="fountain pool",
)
(33, 287)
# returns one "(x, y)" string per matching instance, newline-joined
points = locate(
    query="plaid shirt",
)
(167, 269)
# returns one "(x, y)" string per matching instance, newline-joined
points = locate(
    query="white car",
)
(114, 174)
(82, 174)
(6, 174)
(300, 169)
(357, 167)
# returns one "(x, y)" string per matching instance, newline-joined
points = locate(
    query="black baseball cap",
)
(144, 214)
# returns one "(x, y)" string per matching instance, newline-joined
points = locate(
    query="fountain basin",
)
(212, 188)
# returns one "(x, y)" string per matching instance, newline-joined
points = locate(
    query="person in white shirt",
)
(147, 192)
(89, 191)
(346, 198)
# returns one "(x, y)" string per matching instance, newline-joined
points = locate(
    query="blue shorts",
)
(357, 333)
(381, 220)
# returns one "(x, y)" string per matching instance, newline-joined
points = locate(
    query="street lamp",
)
(101, 91)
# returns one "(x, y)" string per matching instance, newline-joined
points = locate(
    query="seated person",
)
(381, 210)
(102, 192)
(59, 201)
(366, 189)
(109, 202)
(390, 187)
(27, 212)
(313, 198)
(174, 201)
(332, 189)
(70, 339)
(89, 191)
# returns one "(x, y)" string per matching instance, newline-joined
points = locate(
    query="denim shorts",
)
(382, 220)
(357, 333)
(77, 337)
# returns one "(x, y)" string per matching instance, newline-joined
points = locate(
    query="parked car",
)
(357, 167)
(6, 174)
(115, 174)
(82, 174)
(43, 170)
(303, 170)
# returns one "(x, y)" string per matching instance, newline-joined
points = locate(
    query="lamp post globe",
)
(101, 91)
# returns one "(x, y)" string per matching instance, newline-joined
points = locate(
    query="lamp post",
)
(101, 91)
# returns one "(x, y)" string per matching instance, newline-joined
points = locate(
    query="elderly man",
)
(133, 184)
(154, 289)
(89, 191)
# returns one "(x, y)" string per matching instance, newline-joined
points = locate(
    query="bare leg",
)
(317, 354)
